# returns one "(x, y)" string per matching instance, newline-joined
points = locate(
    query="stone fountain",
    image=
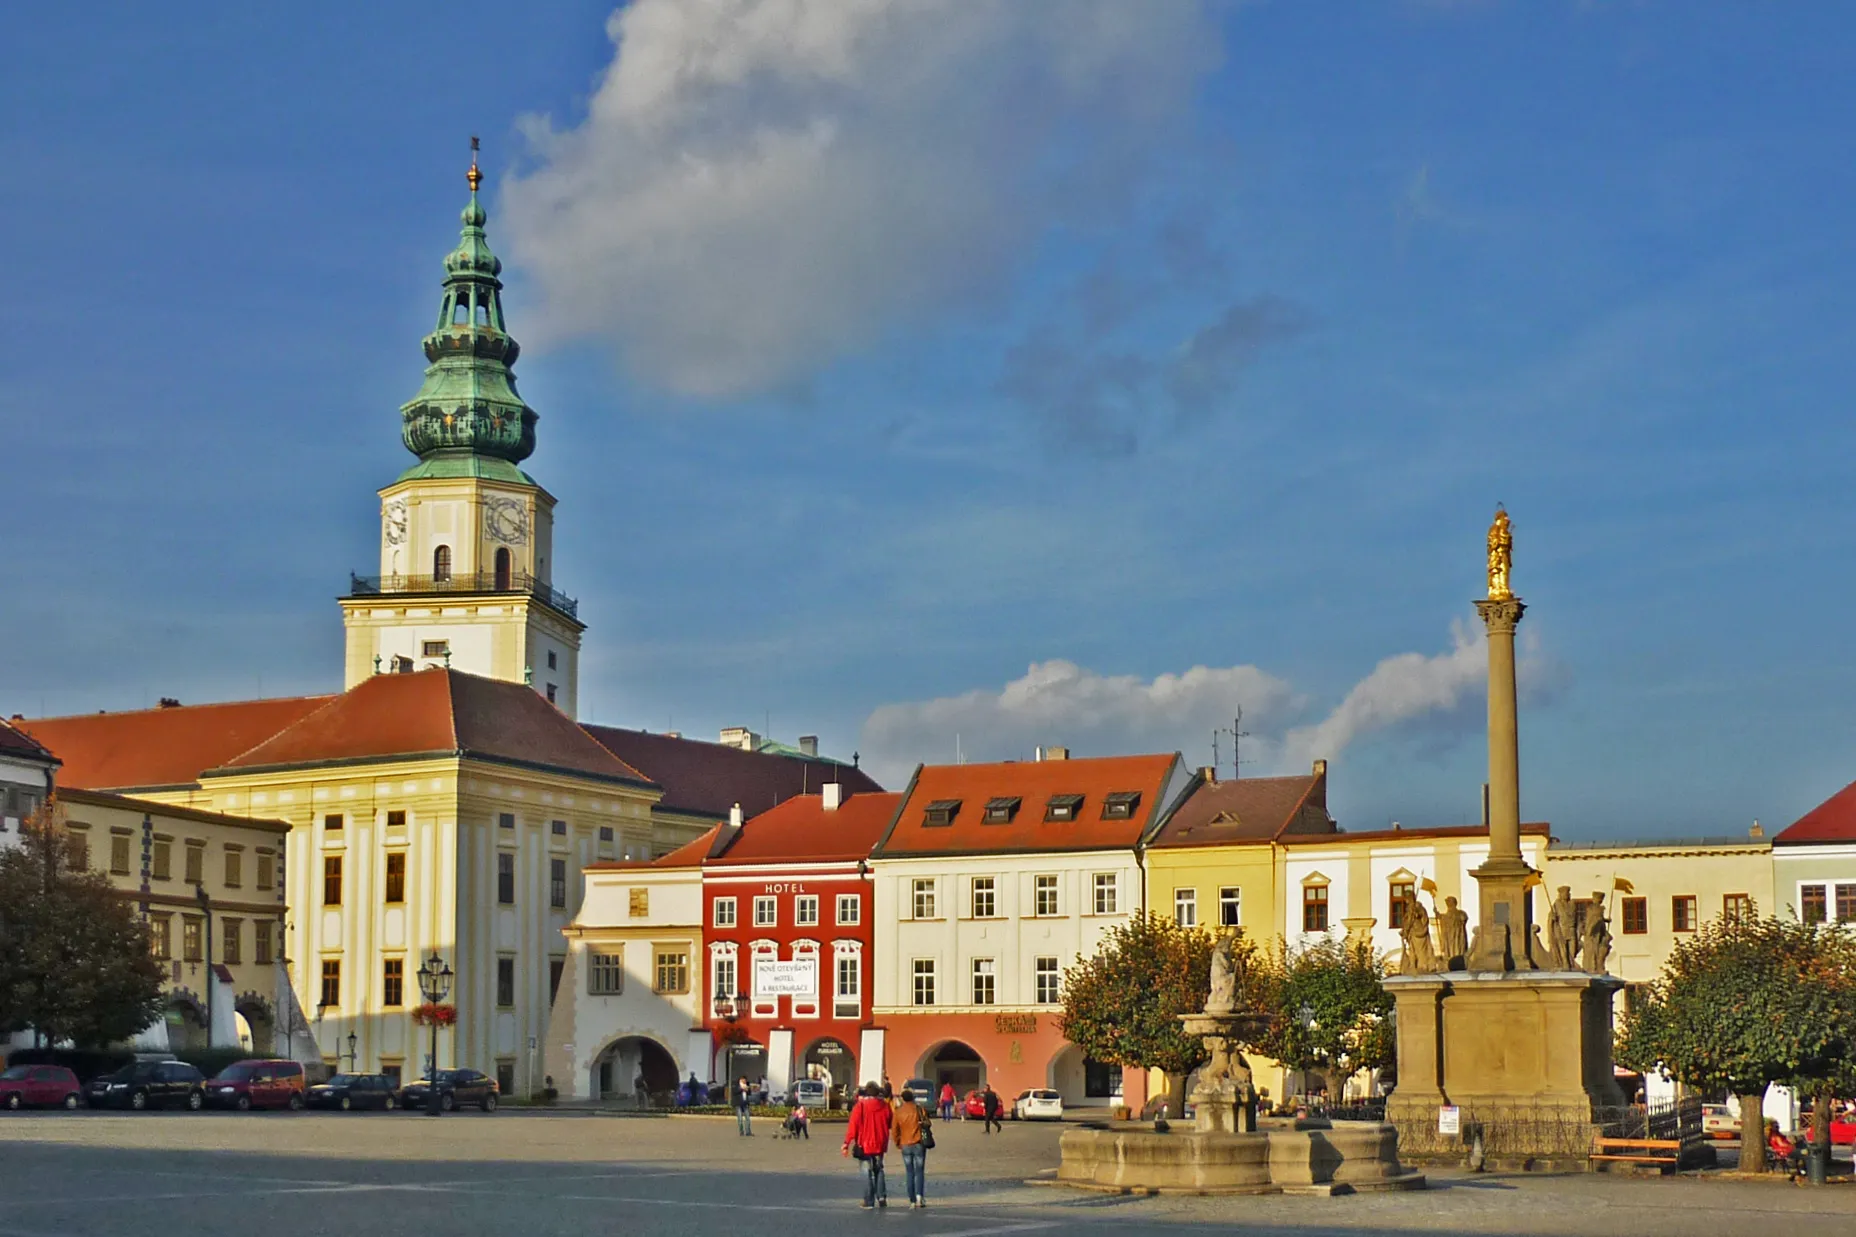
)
(1229, 1150)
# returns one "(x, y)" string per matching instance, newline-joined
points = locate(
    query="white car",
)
(1037, 1105)
(1718, 1122)
(810, 1092)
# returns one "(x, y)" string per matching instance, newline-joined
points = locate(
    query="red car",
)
(246, 1085)
(976, 1105)
(39, 1086)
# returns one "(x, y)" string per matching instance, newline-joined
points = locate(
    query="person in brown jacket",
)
(911, 1125)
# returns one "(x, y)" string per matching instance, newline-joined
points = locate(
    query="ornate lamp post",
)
(435, 986)
(730, 1008)
(353, 1053)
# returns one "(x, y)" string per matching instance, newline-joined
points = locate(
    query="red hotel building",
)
(788, 922)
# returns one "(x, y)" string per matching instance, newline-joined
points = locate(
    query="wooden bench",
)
(1638, 1150)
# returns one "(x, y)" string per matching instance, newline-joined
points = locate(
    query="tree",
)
(1747, 1003)
(74, 958)
(1122, 1006)
(1331, 1009)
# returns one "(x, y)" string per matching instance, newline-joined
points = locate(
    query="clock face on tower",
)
(506, 520)
(393, 518)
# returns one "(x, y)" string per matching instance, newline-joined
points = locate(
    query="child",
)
(796, 1124)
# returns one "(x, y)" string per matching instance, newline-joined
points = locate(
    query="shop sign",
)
(1015, 1024)
(794, 977)
(1449, 1119)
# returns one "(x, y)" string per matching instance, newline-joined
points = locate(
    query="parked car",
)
(149, 1084)
(926, 1093)
(1718, 1122)
(245, 1085)
(1037, 1104)
(811, 1092)
(456, 1087)
(975, 1105)
(39, 1086)
(352, 1091)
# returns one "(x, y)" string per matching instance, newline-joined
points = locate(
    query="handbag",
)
(927, 1137)
(857, 1152)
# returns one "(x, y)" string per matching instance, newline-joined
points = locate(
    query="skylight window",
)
(1120, 805)
(1001, 810)
(941, 812)
(1063, 807)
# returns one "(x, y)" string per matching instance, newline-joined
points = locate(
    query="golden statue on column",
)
(1501, 556)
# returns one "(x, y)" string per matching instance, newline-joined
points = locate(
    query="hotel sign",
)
(795, 977)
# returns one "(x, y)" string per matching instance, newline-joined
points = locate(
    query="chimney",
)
(1396, 825)
(168, 702)
(1208, 774)
(1038, 754)
(1321, 768)
(1056, 753)
(834, 795)
(808, 745)
(734, 816)
(1756, 831)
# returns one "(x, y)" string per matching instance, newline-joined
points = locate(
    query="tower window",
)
(551, 693)
(460, 311)
(502, 569)
(441, 563)
(551, 664)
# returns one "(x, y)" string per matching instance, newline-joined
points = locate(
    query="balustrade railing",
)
(464, 582)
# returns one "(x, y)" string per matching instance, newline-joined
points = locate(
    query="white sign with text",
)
(796, 977)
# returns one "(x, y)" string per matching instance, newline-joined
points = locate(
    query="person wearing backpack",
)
(914, 1136)
(866, 1137)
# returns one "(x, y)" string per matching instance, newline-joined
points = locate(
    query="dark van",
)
(246, 1085)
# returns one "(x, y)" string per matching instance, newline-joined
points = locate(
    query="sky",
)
(950, 377)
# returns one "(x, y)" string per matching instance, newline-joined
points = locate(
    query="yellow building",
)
(1660, 892)
(211, 888)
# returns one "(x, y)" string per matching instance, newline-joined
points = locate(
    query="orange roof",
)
(1833, 820)
(802, 831)
(148, 749)
(438, 712)
(1032, 784)
(689, 855)
(1528, 829)
(1249, 809)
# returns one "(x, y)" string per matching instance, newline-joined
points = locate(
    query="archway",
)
(952, 1061)
(503, 569)
(832, 1062)
(186, 1021)
(635, 1070)
(257, 1026)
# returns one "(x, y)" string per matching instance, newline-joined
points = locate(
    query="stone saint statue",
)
(1227, 975)
(1452, 935)
(1501, 553)
(1563, 930)
(1597, 936)
(1420, 958)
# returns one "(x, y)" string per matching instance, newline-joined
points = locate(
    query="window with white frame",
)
(847, 992)
(1230, 907)
(766, 912)
(605, 974)
(805, 910)
(922, 904)
(850, 909)
(1107, 889)
(984, 990)
(1049, 981)
(723, 976)
(1827, 903)
(924, 981)
(1186, 908)
(1044, 895)
(984, 898)
(724, 912)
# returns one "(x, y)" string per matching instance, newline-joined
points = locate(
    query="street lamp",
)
(435, 986)
(206, 908)
(353, 1055)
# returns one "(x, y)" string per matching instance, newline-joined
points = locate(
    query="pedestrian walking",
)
(989, 1101)
(889, 1095)
(744, 1105)
(947, 1101)
(914, 1136)
(866, 1137)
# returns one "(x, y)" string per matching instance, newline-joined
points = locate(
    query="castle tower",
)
(466, 537)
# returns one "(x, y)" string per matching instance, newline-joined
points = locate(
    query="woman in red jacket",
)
(868, 1131)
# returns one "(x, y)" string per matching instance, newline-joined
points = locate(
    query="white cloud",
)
(760, 186)
(1062, 703)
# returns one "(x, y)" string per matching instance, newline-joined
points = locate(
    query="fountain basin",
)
(1309, 1156)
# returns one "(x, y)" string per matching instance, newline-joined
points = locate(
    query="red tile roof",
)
(439, 712)
(152, 748)
(709, 779)
(689, 855)
(1833, 820)
(802, 831)
(22, 746)
(1250, 809)
(1032, 783)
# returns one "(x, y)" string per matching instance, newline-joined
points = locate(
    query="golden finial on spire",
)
(474, 176)
(1501, 556)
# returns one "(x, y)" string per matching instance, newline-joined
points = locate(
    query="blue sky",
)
(1178, 354)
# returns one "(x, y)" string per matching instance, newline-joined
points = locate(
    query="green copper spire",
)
(467, 419)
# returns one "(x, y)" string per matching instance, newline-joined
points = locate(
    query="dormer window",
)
(1063, 807)
(1001, 810)
(1120, 805)
(941, 812)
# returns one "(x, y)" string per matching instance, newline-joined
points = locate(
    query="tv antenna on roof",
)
(1238, 735)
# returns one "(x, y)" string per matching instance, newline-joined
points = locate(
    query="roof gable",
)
(1251, 809)
(1094, 824)
(149, 748)
(708, 779)
(803, 830)
(19, 745)
(1833, 820)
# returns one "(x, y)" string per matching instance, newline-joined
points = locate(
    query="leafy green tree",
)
(1331, 1009)
(1747, 1003)
(1122, 1006)
(74, 958)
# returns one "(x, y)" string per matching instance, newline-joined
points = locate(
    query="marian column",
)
(1503, 932)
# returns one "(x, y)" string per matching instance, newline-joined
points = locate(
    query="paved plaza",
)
(568, 1175)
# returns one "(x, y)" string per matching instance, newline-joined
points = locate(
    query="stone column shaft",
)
(1501, 617)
